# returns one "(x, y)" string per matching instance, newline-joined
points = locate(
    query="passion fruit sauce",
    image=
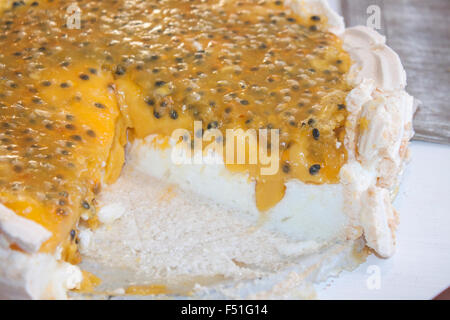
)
(68, 95)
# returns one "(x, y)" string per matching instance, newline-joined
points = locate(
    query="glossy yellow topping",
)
(69, 95)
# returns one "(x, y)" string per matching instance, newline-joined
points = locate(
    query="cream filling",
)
(307, 212)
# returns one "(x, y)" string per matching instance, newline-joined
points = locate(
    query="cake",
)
(161, 87)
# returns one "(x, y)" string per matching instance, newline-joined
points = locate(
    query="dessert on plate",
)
(101, 99)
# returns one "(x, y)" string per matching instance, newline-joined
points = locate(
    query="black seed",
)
(156, 70)
(72, 234)
(120, 70)
(99, 105)
(154, 57)
(160, 83)
(62, 202)
(46, 83)
(91, 133)
(70, 127)
(286, 168)
(156, 114)
(150, 102)
(49, 126)
(64, 85)
(76, 138)
(179, 60)
(293, 123)
(314, 169)
(278, 3)
(93, 70)
(290, 19)
(213, 125)
(163, 104)
(311, 121)
(65, 64)
(316, 134)
(244, 102)
(248, 121)
(84, 77)
(35, 4)
(315, 18)
(70, 117)
(339, 61)
(17, 169)
(341, 106)
(173, 114)
(17, 54)
(86, 205)
(37, 100)
(228, 110)
(313, 28)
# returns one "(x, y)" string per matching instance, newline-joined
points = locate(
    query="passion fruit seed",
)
(316, 133)
(314, 169)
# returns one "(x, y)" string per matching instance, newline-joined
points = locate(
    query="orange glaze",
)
(69, 96)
